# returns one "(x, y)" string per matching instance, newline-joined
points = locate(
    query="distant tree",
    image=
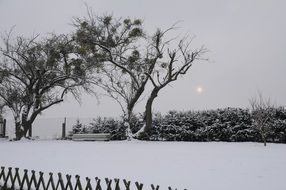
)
(37, 74)
(262, 113)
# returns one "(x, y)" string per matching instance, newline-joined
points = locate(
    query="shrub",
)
(77, 128)
(102, 125)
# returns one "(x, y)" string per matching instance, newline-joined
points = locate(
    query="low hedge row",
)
(229, 124)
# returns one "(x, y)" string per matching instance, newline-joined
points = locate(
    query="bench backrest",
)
(91, 137)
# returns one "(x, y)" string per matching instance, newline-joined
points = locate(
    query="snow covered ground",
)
(195, 166)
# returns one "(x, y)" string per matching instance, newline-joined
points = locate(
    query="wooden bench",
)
(91, 137)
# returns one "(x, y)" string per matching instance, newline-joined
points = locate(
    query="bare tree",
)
(262, 111)
(173, 63)
(37, 74)
(131, 58)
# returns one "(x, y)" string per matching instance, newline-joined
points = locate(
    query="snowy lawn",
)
(195, 166)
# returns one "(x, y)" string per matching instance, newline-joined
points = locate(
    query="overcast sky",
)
(246, 40)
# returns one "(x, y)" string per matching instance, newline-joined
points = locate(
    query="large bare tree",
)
(174, 62)
(37, 74)
(131, 58)
(125, 52)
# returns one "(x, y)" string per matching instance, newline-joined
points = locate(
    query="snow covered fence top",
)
(15, 179)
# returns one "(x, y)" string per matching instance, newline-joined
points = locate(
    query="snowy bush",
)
(78, 128)
(108, 125)
(103, 125)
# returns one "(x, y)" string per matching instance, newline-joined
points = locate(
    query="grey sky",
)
(246, 40)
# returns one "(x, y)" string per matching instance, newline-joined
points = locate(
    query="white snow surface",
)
(191, 165)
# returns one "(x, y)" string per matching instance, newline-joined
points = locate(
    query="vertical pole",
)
(64, 128)
(4, 128)
(1, 130)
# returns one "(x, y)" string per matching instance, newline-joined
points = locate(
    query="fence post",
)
(1, 127)
(64, 128)
(4, 128)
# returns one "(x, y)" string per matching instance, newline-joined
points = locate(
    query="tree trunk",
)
(148, 109)
(30, 132)
(18, 130)
(22, 129)
(264, 140)
(129, 114)
(27, 125)
(134, 100)
(264, 136)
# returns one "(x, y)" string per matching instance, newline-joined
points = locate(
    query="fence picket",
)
(139, 185)
(98, 186)
(78, 183)
(2, 174)
(127, 184)
(41, 181)
(117, 187)
(69, 184)
(9, 176)
(88, 184)
(25, 179)
(155, 188)
(108, 183)
(12, 177)
(60, 182)
(51, 182)
(16, 178)
(33, 180)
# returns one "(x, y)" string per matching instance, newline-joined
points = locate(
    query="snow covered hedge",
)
(229, 124)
